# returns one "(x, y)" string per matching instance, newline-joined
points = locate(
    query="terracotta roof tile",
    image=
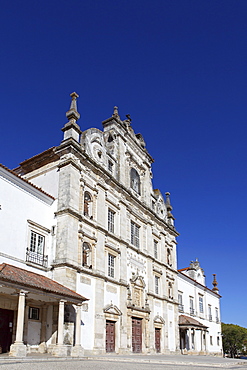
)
(13, 274)
(184, 269)
(186, 320)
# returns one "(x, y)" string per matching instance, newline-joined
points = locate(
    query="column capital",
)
(62, 301)
(23, 292)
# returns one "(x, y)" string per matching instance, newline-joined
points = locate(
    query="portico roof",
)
(189, 322)
(19, 278)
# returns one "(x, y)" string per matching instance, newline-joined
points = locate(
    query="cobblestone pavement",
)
(122, 363)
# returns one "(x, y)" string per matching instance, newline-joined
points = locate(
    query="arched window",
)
(87, 204)
(135, 180)
(86, 252)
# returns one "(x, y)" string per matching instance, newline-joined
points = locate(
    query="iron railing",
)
(38, 259)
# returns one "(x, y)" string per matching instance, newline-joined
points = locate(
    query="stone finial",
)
(168, 202)
(73, 114)
(115, 112)
(128, 117)
(215, 283)
(169, 209)
(71, 129)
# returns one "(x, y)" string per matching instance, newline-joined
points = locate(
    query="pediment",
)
(138, 281)
(112, 309)
(159, 320)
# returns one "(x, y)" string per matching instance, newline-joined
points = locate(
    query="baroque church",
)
(95, 269)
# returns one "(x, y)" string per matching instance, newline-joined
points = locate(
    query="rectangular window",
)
(155, 249)
(36, 249)
(211, 340)
(135, 234)
(111, 265)
(218, 341)
(33, 313)
(200, 304)
(209, 312)
(180, 302)
(111, 215)
(37, 242)
(192, 311)
(156, 283)
(217, 315)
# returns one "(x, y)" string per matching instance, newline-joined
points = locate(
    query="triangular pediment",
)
(112, 309)
(158, 319)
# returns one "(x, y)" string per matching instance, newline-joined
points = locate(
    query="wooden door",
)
(157, 340)
(110, 336)
(6, 325)
(136, 335)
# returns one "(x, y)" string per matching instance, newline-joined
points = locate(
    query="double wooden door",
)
(110, 336)
(136, 335)
(157, 340)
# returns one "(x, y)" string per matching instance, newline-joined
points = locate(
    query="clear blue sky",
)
(178, 67)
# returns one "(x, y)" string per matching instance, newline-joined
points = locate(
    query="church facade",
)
(108, 236)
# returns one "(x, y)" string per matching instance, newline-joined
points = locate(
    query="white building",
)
(30, 302)
(95, 225)
(199, 312)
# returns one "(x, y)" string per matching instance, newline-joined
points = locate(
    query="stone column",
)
(20, 317)
(18, 348)
(60, 349)
(60, 322)
(78, 326)
(77, 350)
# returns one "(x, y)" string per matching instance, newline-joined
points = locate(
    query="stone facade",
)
(112, 238)
(115, 238)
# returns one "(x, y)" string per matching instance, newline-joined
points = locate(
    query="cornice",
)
(163, 298)
(195, 283)
(70, 212)
(20, 182)
(91, 272)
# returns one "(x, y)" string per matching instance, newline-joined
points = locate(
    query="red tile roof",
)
(184, 269)
(28, 279)
(189, 321)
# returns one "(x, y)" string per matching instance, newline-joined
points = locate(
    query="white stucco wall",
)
(189, 288)
(20, 202)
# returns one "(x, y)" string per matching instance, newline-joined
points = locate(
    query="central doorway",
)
(110, 336)
(6, 327)
(136, 335)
